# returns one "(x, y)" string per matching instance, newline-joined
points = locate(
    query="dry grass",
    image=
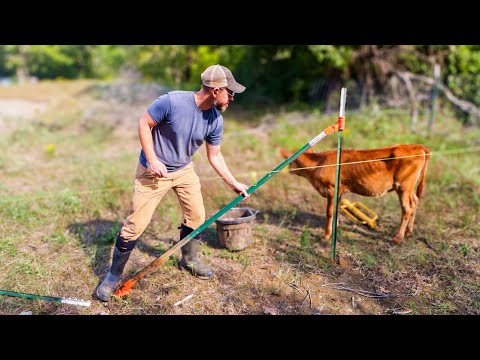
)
(45, 91)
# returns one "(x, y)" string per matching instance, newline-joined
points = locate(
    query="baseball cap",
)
(220, 76)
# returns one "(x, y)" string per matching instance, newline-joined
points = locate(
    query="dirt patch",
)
(19, 108)
(15, 111)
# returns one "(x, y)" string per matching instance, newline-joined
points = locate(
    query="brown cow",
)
(390, 172)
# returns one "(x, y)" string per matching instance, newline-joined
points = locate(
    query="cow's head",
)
(305, 160)
(295, 163)
(286, 154)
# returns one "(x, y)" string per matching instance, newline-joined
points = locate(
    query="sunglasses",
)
(230, 93)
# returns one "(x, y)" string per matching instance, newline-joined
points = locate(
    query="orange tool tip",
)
(331, 129)
(126, 289)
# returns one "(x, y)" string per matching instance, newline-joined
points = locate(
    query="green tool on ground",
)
(46, 298)
(126, 288)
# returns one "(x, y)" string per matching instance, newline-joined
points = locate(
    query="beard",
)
(220, 107)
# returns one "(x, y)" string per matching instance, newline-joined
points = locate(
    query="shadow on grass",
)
(99, 236)
(291, 218)
(209, 236)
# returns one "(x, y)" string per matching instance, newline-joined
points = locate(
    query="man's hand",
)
(158, 168)
(240, 188)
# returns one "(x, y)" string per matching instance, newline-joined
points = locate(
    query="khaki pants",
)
(150, 189)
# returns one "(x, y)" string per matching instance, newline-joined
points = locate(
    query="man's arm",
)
(217, 161)
(145, 125)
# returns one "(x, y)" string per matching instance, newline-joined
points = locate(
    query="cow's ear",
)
(285, 153)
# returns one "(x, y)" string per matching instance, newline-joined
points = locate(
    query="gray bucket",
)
(234, 228)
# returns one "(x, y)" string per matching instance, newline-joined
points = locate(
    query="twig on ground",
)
(294, 287)
(183, 300)
(298, 268)
(396, 311)
(429, 246)
(309, 296)
(305, 298)
(401, 312)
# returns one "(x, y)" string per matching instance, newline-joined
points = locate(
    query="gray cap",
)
(220, 76)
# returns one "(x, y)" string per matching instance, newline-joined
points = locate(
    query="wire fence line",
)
(28, 197)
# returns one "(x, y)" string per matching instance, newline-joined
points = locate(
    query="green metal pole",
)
(341, 125)
(127, 286)
(436, 75)
(46, 298)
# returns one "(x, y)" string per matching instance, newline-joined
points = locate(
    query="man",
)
(172, 129)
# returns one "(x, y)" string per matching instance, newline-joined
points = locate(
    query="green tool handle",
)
(46, 298)
(126, 287)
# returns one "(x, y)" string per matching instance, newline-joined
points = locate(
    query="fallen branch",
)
(292, 285)
(465, 105)
(305, 298)
(310, 297)
(370, 294)
(398, 311)
(429, 246)
(183, 300)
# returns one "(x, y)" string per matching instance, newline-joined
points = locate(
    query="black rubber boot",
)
(106, 289)
(189, 257)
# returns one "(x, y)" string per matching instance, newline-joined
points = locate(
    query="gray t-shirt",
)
(181, 128)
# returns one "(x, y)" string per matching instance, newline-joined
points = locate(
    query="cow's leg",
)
(413, 203)
(328, 225)
(404, 197)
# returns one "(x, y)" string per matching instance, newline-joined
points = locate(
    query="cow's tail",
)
(423, 173)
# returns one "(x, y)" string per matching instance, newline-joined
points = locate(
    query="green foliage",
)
(238, 256)
(278, 73)
(8, 246)
(48, 61)
(304, 238)
(463, 249)
(368, 260)
(58, 238)
(26, 267)
(169, 64)
(17, 211)
(463, 71)
(107, 60)
(273, 74)
(4, 69)
(69, 202)
(333, 56)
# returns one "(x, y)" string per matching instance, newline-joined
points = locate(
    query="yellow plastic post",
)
(354, 211)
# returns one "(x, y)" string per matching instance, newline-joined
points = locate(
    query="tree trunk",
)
(411, 92)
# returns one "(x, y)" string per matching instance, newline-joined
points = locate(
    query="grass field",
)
(66, 180)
